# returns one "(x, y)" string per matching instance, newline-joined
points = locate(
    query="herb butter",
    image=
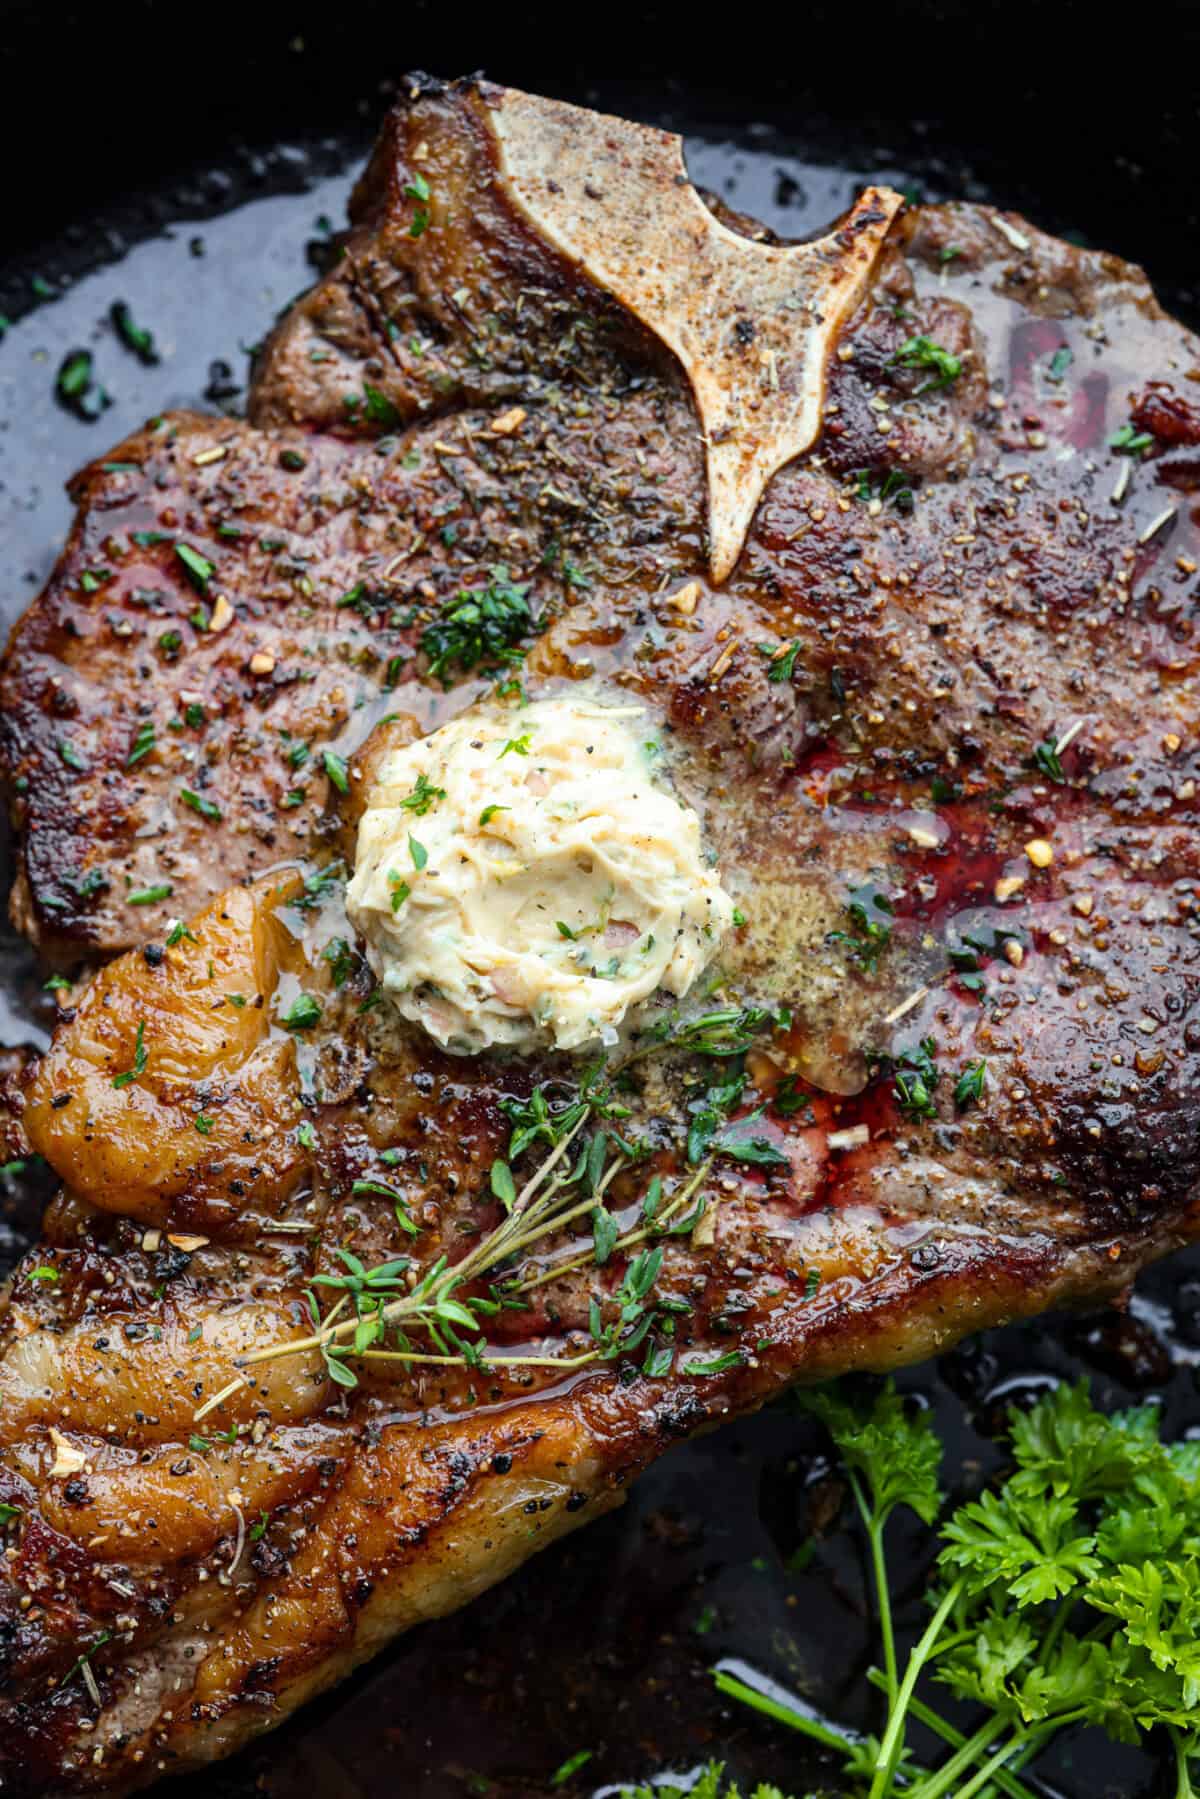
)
(523, 878)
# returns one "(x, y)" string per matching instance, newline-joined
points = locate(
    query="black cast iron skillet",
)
(181, 159)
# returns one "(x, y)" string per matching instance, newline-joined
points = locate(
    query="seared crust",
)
(1015, 604)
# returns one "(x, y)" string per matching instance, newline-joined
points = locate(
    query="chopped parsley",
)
(303, 1013)
(782, 659)
(1046, 758)
(968, 1089)
(378, 408)
(916, 1078)
(870, 912)
(142, 744)
(199, 802)
(924, 353)
(135, 337)
(77, 388)
(335, 768)
(139, 1060)
(1128, 441)
(422, 797)
(480, 629)
(200, 570)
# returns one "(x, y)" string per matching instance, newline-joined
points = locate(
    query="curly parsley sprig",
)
(1067, 1595)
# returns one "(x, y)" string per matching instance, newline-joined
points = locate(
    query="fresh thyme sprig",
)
(395, 1313)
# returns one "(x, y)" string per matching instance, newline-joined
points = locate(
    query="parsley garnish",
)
(378, 407)
(481, 628)
(892, 486)
(149, 896)
(870, 912)
(916, 1079)
(782, 659)
(571, 1766)
(1128, 441)
(1066, 1595)
(77, 388)
(199, 569)
(341, 959)
(142, 744)
(207, 808)
(422, 797)
(968, 1089)
(135, 337)
(924, 353)
(139, 1060)
(303, 1013)
(1047, 760)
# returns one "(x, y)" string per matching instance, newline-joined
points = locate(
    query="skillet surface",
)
(730, 1548)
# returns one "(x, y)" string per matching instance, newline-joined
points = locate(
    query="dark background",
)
(184, 158)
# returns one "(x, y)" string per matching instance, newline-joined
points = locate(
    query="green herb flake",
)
(480, 629)
(335, 768)
(143, 743)
(378, 408)
(200, 570)
(924, 353)
(135, 337)
(916, 1078)
(1046, 759)
(200, 803)
(782, 660)
(717, 1365)
(422, 797)
(969, 1087)
(570, 1767)
(139, 1060)
(1128, 441)
(303, 1013)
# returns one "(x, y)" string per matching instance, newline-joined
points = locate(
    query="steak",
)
(939, 725)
